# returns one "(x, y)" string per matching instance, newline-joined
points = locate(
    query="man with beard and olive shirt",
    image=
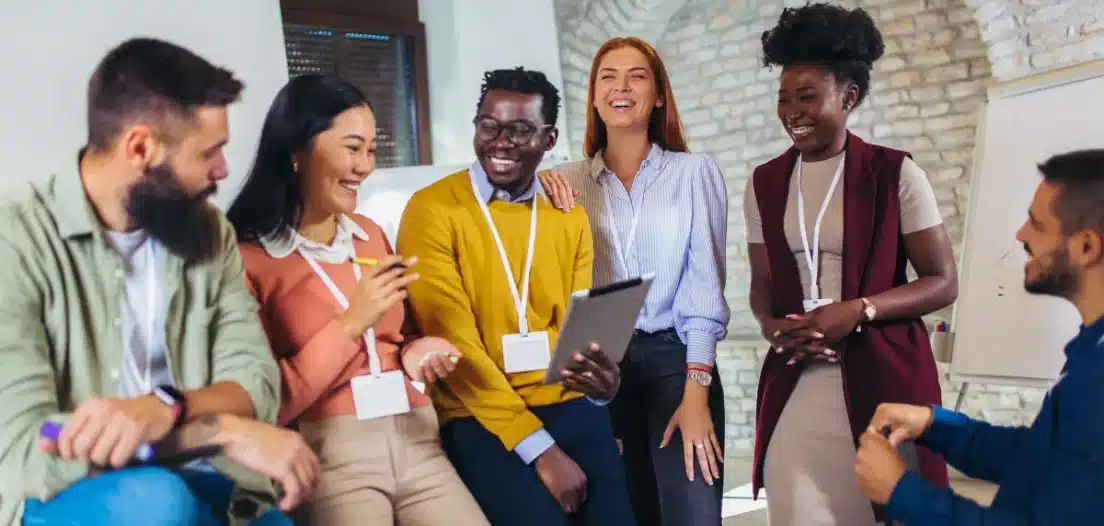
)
(125, 319)
(1053, 471)
(489, 244)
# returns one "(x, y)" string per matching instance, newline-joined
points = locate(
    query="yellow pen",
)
(372, 261)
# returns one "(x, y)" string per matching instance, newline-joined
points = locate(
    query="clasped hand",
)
(809, 335)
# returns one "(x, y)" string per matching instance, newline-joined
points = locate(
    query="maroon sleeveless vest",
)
(889, 360)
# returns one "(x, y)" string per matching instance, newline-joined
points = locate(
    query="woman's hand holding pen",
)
(382, 286)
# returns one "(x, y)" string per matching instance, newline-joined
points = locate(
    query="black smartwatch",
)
(175, 399)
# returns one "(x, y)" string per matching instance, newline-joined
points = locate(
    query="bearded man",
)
(125, 318)
(1053, 471)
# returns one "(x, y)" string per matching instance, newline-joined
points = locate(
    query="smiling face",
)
(511, 138)
(624, 91)
(337, 161)
(1049, 269)
(813, 108)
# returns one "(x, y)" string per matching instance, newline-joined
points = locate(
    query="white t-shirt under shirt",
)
(143, 364)
(919, 210)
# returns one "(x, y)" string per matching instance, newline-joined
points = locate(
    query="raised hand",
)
(382, 286)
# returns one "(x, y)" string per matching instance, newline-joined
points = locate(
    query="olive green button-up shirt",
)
(60, 341)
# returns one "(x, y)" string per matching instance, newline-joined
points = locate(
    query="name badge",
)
(813, 304)
(526, 352)
(379, 396)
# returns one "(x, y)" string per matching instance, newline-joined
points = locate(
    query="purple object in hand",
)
(52, 430)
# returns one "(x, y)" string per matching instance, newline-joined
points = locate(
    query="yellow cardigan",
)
(463, 295)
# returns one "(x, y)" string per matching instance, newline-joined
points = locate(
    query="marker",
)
(52, 430)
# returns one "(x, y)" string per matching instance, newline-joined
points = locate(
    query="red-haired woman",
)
(657, 209)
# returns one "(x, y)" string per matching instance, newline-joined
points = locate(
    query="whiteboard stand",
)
(961, 396)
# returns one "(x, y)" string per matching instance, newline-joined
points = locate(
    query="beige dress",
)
(810, 463)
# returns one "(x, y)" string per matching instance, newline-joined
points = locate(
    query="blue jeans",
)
(653, 378)
(143, 496)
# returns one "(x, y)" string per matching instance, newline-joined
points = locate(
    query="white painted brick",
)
(935, 57)
(926, 94)
(908, 128)
(935, 109)
(890, 64)
(942, 74)
(950, 122)
(905, 78)
(957, 90)
(952, 138)
(943, 37)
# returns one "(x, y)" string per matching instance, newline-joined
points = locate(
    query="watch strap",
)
(175, 399)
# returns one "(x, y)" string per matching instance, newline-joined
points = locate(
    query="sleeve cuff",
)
(944, 422)
(909, 497)
(701, 347)
(533, 445)
(603, 402)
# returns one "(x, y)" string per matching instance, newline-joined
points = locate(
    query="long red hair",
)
(664, 126)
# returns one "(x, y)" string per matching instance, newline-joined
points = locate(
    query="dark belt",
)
(637, 333)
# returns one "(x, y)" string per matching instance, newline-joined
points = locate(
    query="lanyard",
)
(812, 257)
(370, 335)
(520, 299)
(617, 246)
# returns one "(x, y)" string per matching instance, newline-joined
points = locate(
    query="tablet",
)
(604, 315)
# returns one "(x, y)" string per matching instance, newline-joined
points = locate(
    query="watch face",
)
(701, 377)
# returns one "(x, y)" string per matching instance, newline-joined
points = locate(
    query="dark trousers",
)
(653, 377)
(510, 492)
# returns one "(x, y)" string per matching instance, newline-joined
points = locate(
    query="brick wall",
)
(940, 56)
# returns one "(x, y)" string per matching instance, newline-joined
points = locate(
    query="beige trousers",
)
(810, 464)
(384, 472)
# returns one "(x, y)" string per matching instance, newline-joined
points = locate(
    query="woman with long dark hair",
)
(331, 295)
(832, 226)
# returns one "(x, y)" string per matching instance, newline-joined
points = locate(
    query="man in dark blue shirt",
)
(1051, 473)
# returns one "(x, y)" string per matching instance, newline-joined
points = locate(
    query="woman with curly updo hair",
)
(832, 225)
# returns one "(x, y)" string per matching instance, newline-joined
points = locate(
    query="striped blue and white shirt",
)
(681, 205)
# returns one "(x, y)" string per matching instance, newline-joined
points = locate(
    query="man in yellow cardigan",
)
(498, 263)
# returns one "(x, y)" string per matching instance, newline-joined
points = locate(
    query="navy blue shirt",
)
(1051, 473)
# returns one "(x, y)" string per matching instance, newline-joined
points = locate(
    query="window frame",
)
(343, 21)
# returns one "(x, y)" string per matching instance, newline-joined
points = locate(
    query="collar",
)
(74, 213)
(489, 193)
(286, 242)
(656, 158)
(1090, 338)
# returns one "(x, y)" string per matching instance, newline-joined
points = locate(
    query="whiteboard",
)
(1002, 334)
(383, 195)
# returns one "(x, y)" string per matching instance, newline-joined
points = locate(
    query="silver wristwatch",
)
(703, 378)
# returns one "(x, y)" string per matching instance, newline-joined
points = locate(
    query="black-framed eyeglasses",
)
(519, 132)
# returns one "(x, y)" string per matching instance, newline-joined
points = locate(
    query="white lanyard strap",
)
(370, 336)
(812, 257)
(520, 298)
(617, 245)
